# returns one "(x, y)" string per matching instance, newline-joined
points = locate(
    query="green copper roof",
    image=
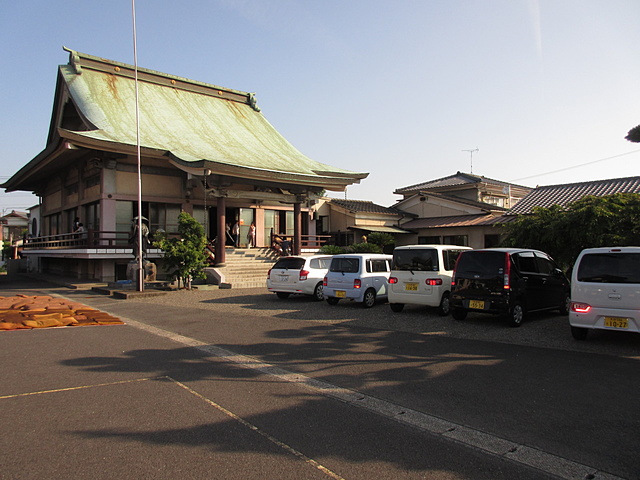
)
(194, 123)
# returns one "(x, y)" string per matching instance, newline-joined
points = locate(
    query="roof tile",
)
(565, 194)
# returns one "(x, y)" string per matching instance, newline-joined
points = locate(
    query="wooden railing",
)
(112, 239)
(89, 239)
(314, 242)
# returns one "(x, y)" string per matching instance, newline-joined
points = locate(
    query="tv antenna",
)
(472, 151)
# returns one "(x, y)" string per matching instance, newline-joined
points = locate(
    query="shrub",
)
(364, 248)
(331, 250)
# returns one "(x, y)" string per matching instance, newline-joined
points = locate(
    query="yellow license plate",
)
(616, 322)
(341, 293)
(479, 304)
(411, 286)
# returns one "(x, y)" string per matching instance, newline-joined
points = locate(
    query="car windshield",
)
(610, 268)
(290, 263)
(345, 265)
(416, 260)
(481, 263)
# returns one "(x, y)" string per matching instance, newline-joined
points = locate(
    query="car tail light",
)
(580, 307)
(269, 273)
(432, 282)
(393, 280)
(507, 274)
(303, 274)
(324, 282)
(357, 283)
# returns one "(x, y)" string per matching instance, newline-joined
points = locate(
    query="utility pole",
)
(472, 152)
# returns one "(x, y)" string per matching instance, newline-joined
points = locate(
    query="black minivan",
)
(509, 282)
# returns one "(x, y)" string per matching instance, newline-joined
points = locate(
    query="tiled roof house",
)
(348, 220)
(461, 209)
(565, 194)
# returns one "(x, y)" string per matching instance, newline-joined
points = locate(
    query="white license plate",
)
(284, 278)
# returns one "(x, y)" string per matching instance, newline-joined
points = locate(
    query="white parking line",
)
(274, 440)
(491, 444)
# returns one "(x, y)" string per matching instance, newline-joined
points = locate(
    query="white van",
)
(421, 275)
(605, 291)
(361, 277)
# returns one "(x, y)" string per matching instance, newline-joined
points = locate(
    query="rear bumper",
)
(417, 298)
(349, 294)
(597, 316)
(498, 305)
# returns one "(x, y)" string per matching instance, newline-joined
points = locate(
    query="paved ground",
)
(158, 398)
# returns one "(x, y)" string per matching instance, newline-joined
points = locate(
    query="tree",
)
(634, 135)
(611, 220)
(185, 254)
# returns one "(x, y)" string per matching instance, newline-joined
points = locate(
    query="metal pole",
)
(140, 273)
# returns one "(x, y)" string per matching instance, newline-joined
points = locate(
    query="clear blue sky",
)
(398, 89)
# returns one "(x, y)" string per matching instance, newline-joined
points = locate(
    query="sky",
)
(533, 92)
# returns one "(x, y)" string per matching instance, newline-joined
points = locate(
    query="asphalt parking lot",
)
(88, 375)
(540, 329)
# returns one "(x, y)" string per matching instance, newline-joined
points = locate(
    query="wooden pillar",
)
(222, 233)
(297, 229)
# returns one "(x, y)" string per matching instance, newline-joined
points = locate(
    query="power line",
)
(574, 166)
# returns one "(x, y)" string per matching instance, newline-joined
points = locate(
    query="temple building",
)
(204, 149)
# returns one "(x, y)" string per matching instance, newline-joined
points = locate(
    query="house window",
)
(490, 199)
(461, 240)
(70, 216)
(92, 216)
(433, 240)
(52, 224)
(491, 241)
(163, 216)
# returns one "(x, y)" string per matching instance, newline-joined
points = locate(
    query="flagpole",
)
(140, 272)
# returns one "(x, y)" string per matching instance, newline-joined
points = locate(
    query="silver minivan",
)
(605, 291)
(361, 277)
(421, 275)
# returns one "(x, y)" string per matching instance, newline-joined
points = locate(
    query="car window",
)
(481, 263)
(449, 258)
(416, 260)
(290, 263)
(545, 264)
(319, 263)
(324, 262)
(379, 266)
(610, 268)
(345, 265)
(526, 262)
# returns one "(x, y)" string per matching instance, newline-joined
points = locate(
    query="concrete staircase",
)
(244, 268)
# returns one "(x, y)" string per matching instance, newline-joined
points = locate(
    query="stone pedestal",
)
(149, 271)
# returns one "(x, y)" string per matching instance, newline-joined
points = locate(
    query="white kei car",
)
(301, 275)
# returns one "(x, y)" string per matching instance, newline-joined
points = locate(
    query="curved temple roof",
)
(196, 125)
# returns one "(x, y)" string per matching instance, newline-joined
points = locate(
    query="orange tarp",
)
(42, 311)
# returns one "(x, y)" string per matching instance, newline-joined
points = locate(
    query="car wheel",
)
(333, 300)
(579, 333)
(396, 307)
(369, 299)
(516, 315)
(445, 305)
(566, 305)
(283, 294)
(317, 292)
(459, 313)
